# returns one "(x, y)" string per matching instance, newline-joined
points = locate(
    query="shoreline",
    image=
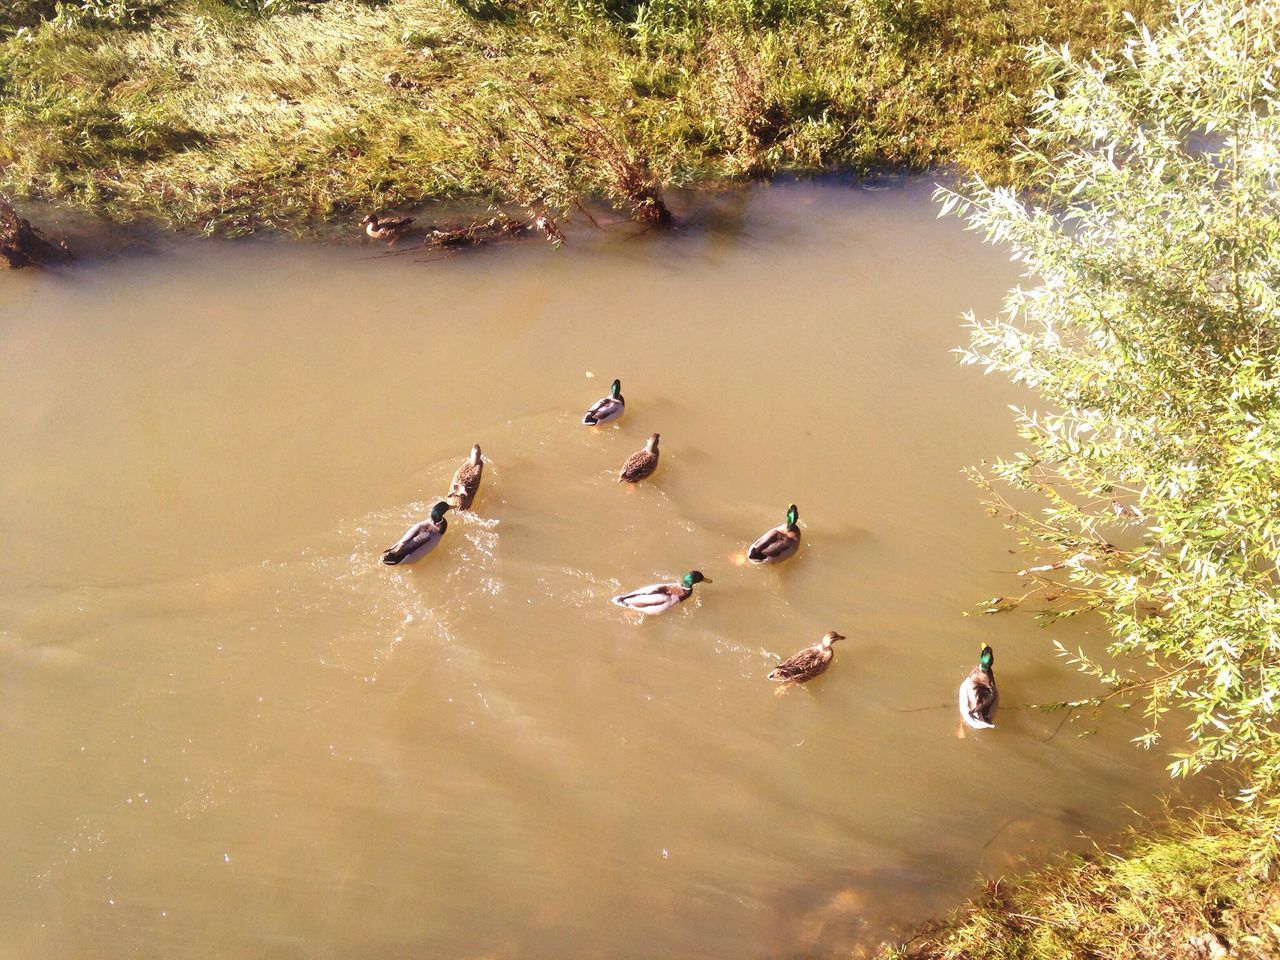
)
(205, 117)
(1198, 884)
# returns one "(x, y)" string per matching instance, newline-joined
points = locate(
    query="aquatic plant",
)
(1149, 330)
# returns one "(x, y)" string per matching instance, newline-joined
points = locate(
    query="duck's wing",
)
(416, 538)
(602, 411)
(977, 697)
(396, 223)
(638, 466)
(655, 597)
(774, 545)
(806, 664)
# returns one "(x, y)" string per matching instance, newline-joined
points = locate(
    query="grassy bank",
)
(1201, 886)
(232, 114)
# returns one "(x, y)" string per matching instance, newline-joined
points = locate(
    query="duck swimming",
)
(607, 408)
(779, 543)
(808, 663)
(978, 693)
(467, 480)
(385, 228)
(420, 539)
(661, 597)
(641, 463)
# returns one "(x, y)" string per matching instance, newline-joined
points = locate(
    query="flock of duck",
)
(977, 697)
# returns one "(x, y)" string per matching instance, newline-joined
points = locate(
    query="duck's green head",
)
(792, 515)
(437, 512)
(615, 390)
(692, 577)
(987, 658)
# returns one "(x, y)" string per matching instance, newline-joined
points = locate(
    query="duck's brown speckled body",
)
(808, 663)
(467, 480)
(642, 463)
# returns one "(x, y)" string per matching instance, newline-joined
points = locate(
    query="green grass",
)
(1198, 875)
(204, 113)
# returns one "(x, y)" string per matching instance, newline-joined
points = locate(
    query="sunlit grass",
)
(1193, 882)
(207, 115)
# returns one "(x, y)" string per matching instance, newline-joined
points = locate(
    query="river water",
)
(227, 730)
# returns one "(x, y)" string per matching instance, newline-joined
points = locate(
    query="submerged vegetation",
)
(231, 114)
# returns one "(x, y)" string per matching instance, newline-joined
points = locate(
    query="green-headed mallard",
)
(779, 543)
(467, 480)
(808, 663)
(661, 597)
(641, 463)
(420, 539)
(385, 228)
(978, 694)
(607, 408)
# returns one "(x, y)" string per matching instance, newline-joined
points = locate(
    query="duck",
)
(641, 463)
(385, 228)
(779, 543)
(808, 663)
(661, 597)
(606, 408)
(420, 539)
(978, 694)
(467, 480)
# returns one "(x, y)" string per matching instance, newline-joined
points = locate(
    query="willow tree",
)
(1148, 329)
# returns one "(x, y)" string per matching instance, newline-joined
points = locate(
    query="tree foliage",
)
(1149, 327)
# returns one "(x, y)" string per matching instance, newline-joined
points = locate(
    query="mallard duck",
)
(1126, 511)
(661, 597)
(466, 481)
(808, 663)
(978, 693)
(779, 543)
(607, 408)
(385, 228)
(420, 539)
(641, 463)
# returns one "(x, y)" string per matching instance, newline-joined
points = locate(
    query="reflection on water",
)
(229, 730)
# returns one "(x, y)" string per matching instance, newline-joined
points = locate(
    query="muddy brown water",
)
(227, 730)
